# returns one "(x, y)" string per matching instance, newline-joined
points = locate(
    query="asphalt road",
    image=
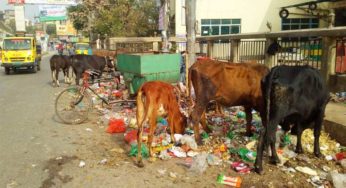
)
(29, 133)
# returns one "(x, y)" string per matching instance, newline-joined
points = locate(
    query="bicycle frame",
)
(86, 86)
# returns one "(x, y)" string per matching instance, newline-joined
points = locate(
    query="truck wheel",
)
(34, 69)
(7, 70)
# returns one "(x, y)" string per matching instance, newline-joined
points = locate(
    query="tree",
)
(51, 29)
(30, 29)
(78, 16)
(116, 17)
(12, 25)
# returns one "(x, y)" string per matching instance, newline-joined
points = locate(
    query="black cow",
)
(58, 62)
(81, 63)
(292, 95)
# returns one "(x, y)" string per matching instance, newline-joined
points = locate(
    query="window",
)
(298, 23)
(220, 26)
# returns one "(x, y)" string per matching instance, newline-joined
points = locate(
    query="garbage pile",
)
(338, 97)
(226, 146)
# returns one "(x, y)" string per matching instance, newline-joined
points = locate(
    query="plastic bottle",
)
(231, 181)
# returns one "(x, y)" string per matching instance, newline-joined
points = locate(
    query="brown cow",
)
(154, 99)
(229, 84)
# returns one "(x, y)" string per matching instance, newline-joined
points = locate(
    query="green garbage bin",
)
(140, 68)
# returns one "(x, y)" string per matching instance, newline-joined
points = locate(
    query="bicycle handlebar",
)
(93, 72)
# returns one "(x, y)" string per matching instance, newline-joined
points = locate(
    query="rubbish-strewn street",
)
(38, 151)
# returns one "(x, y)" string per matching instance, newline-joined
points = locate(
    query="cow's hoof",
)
(274, 160)
(152, 159)
(318, 154)
(248, 134)
(299, 150)
(259, 170)
(140, 164)
(199, 142)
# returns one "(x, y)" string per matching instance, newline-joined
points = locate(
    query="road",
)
(28, 131)
(38, 151)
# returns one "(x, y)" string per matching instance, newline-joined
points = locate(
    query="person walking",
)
(183, 67)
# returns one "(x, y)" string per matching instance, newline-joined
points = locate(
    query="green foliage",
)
(78, 16)
(116, 17)
(30, 29)
(51, 29)
(12, 25)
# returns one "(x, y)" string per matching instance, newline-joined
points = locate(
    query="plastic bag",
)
(134, 150)
(116, 126)
(131, 136)
(199, 163)
(190, 141)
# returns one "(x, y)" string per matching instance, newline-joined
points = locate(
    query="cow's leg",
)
(140, 120)
(274, 158)
(57, 77)
(204, 123)
(171, 126)
(65, 76)
(260, 149)
(271, 139)
(196, 118)
(152, 124)
(317, 132)
(78, 76)
(139, 144)
(53, 78)
(248, 121)
(219, 109)
(299, 148)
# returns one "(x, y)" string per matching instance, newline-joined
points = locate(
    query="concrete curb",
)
(336, 131)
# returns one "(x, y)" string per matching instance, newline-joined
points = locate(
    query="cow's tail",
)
(267, 84)
(141, 117)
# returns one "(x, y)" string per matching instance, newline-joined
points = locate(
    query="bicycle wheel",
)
(72, 107)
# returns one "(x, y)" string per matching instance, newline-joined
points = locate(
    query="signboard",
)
(15, 1)
(66, 29)
(52, 13)
(19, 17)
(51, 2)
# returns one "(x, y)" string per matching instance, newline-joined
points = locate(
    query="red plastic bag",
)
(116, 126)
(340, 156)
(131, 136)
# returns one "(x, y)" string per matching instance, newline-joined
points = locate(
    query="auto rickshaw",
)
(83, 48)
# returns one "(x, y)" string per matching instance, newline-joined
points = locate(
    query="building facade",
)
(221, 17)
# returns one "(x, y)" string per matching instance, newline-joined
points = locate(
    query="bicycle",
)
(79, 102)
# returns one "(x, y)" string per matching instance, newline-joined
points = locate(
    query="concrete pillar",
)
(269, 60)
(235, 50)
(155, 46)
(210, 49)
(328, 57)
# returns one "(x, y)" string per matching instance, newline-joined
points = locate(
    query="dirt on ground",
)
(108, 153)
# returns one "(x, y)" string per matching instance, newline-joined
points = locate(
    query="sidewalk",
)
(335, 121)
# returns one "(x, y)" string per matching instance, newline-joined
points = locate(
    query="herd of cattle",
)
(79, 64)
(293, 96)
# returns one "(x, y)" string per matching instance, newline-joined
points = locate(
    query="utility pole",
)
(163, 26)
(190, 16)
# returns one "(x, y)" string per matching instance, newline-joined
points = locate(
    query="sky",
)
(30, 10)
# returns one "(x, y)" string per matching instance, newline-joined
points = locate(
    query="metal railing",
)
(314, 47)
